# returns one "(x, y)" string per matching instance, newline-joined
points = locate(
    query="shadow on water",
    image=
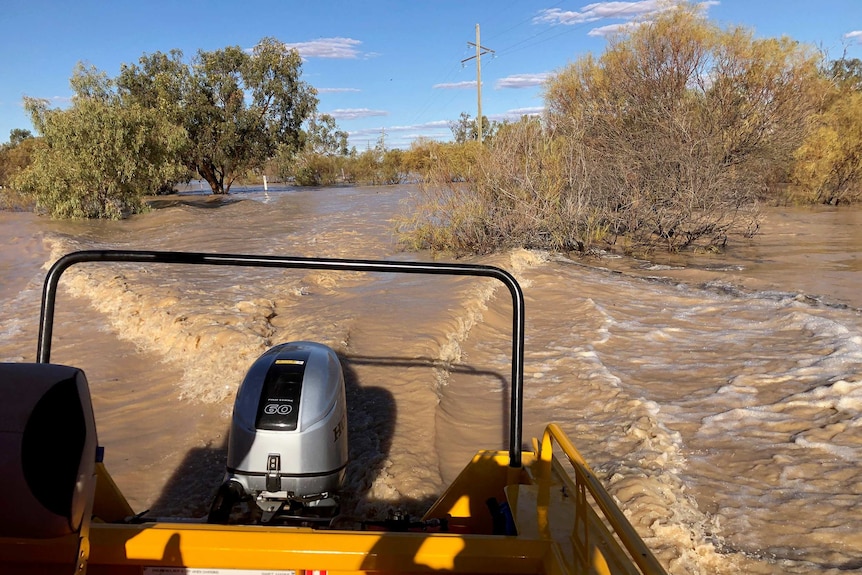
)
(452, 369)
(189, 491)
(371, 420)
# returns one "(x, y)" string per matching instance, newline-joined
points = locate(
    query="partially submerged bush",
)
(828, 167)
(447, 213)
(667, 139)
(432, 161)
(519, 193)
(317, 169)
(90, 165)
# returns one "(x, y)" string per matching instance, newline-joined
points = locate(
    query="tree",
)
(324, 138)
(464, 128)
(846, 73)
(15, 155)
(324, 154)
(18, 135)
(237, 109)
(97, 157)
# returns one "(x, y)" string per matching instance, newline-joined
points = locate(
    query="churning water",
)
(718, 398)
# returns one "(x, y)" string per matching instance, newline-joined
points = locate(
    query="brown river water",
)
(718, 397)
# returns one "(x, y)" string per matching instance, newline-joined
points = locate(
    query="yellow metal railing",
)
(594, 544)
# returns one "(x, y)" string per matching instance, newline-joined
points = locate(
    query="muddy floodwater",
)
(718, 397)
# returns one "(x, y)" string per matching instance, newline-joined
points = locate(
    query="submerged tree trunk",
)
(213, 177)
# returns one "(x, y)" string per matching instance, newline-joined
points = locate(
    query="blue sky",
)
(382, 67)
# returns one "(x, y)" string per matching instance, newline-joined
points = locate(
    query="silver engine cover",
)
(288, 436)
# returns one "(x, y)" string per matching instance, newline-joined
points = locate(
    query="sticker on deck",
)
(289, 362)
(203, 571)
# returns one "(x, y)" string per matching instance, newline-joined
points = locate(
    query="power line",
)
(432, 98)
(525, 20)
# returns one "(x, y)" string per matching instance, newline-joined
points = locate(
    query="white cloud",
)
(854, 35)
(61, 102)
(628, 11)
(341, 48)
(517, 113)
(456, 85)
(530, 111)
(356, 113)
(336, 90)
(523, 80)
(612, 29)
(435, 125)
(599, 11)
(364, 132)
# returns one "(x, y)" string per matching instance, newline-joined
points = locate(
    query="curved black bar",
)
(516, 410)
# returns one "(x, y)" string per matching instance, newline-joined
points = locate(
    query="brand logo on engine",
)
(339, 429)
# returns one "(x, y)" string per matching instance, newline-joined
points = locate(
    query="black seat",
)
(48, 451)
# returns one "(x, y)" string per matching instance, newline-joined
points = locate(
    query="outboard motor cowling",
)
(287, 447)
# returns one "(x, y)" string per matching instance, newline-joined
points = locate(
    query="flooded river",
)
(718, 397)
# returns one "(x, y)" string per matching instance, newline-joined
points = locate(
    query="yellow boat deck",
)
(554, 513)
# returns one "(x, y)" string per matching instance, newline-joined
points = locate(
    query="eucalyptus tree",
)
(323, 157)
(236, 108)
(846, 73)
(464, 129)
(18, 135)
(324, 138)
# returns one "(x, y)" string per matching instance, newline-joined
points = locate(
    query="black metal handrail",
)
(49, 296)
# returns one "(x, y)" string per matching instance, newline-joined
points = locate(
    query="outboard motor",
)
(287, 448)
